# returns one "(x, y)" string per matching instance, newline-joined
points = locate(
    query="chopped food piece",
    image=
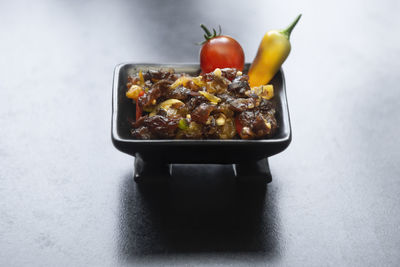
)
(134, 92)
(169, 106)
(183, 124)
(184, 80)
(216, 105)
(212, 98)
(264, 91)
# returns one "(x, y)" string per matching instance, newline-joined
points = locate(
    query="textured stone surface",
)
(67, 197)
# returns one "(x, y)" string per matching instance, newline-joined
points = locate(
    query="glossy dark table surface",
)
(67, 197)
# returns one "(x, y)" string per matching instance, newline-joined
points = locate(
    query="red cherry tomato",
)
(220, 51)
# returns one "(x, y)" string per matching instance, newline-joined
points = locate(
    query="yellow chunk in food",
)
(180, 81)
(166, 105)
(212, 98)
(217, 72)
(264, 91)
(220, 121)
(134, 92)
(185, 80)
(269, 91)
(199, 81)
(141, 77)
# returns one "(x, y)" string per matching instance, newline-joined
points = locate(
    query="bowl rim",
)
(117, 138)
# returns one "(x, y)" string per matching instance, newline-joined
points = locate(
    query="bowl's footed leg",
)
(146, 171)
(254, 171)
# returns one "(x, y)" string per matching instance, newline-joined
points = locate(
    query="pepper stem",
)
(289, 29)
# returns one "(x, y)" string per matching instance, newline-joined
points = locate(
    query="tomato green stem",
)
(208, 33)
(289, 29)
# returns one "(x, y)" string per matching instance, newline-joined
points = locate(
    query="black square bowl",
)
(192, 151)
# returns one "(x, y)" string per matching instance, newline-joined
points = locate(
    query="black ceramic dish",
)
(192, 151)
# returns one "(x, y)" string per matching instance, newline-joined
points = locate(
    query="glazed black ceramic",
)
(192, 151)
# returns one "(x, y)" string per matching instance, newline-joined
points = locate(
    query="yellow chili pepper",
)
(272, 52)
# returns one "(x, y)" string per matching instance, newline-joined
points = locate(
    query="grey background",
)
(67, 197)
